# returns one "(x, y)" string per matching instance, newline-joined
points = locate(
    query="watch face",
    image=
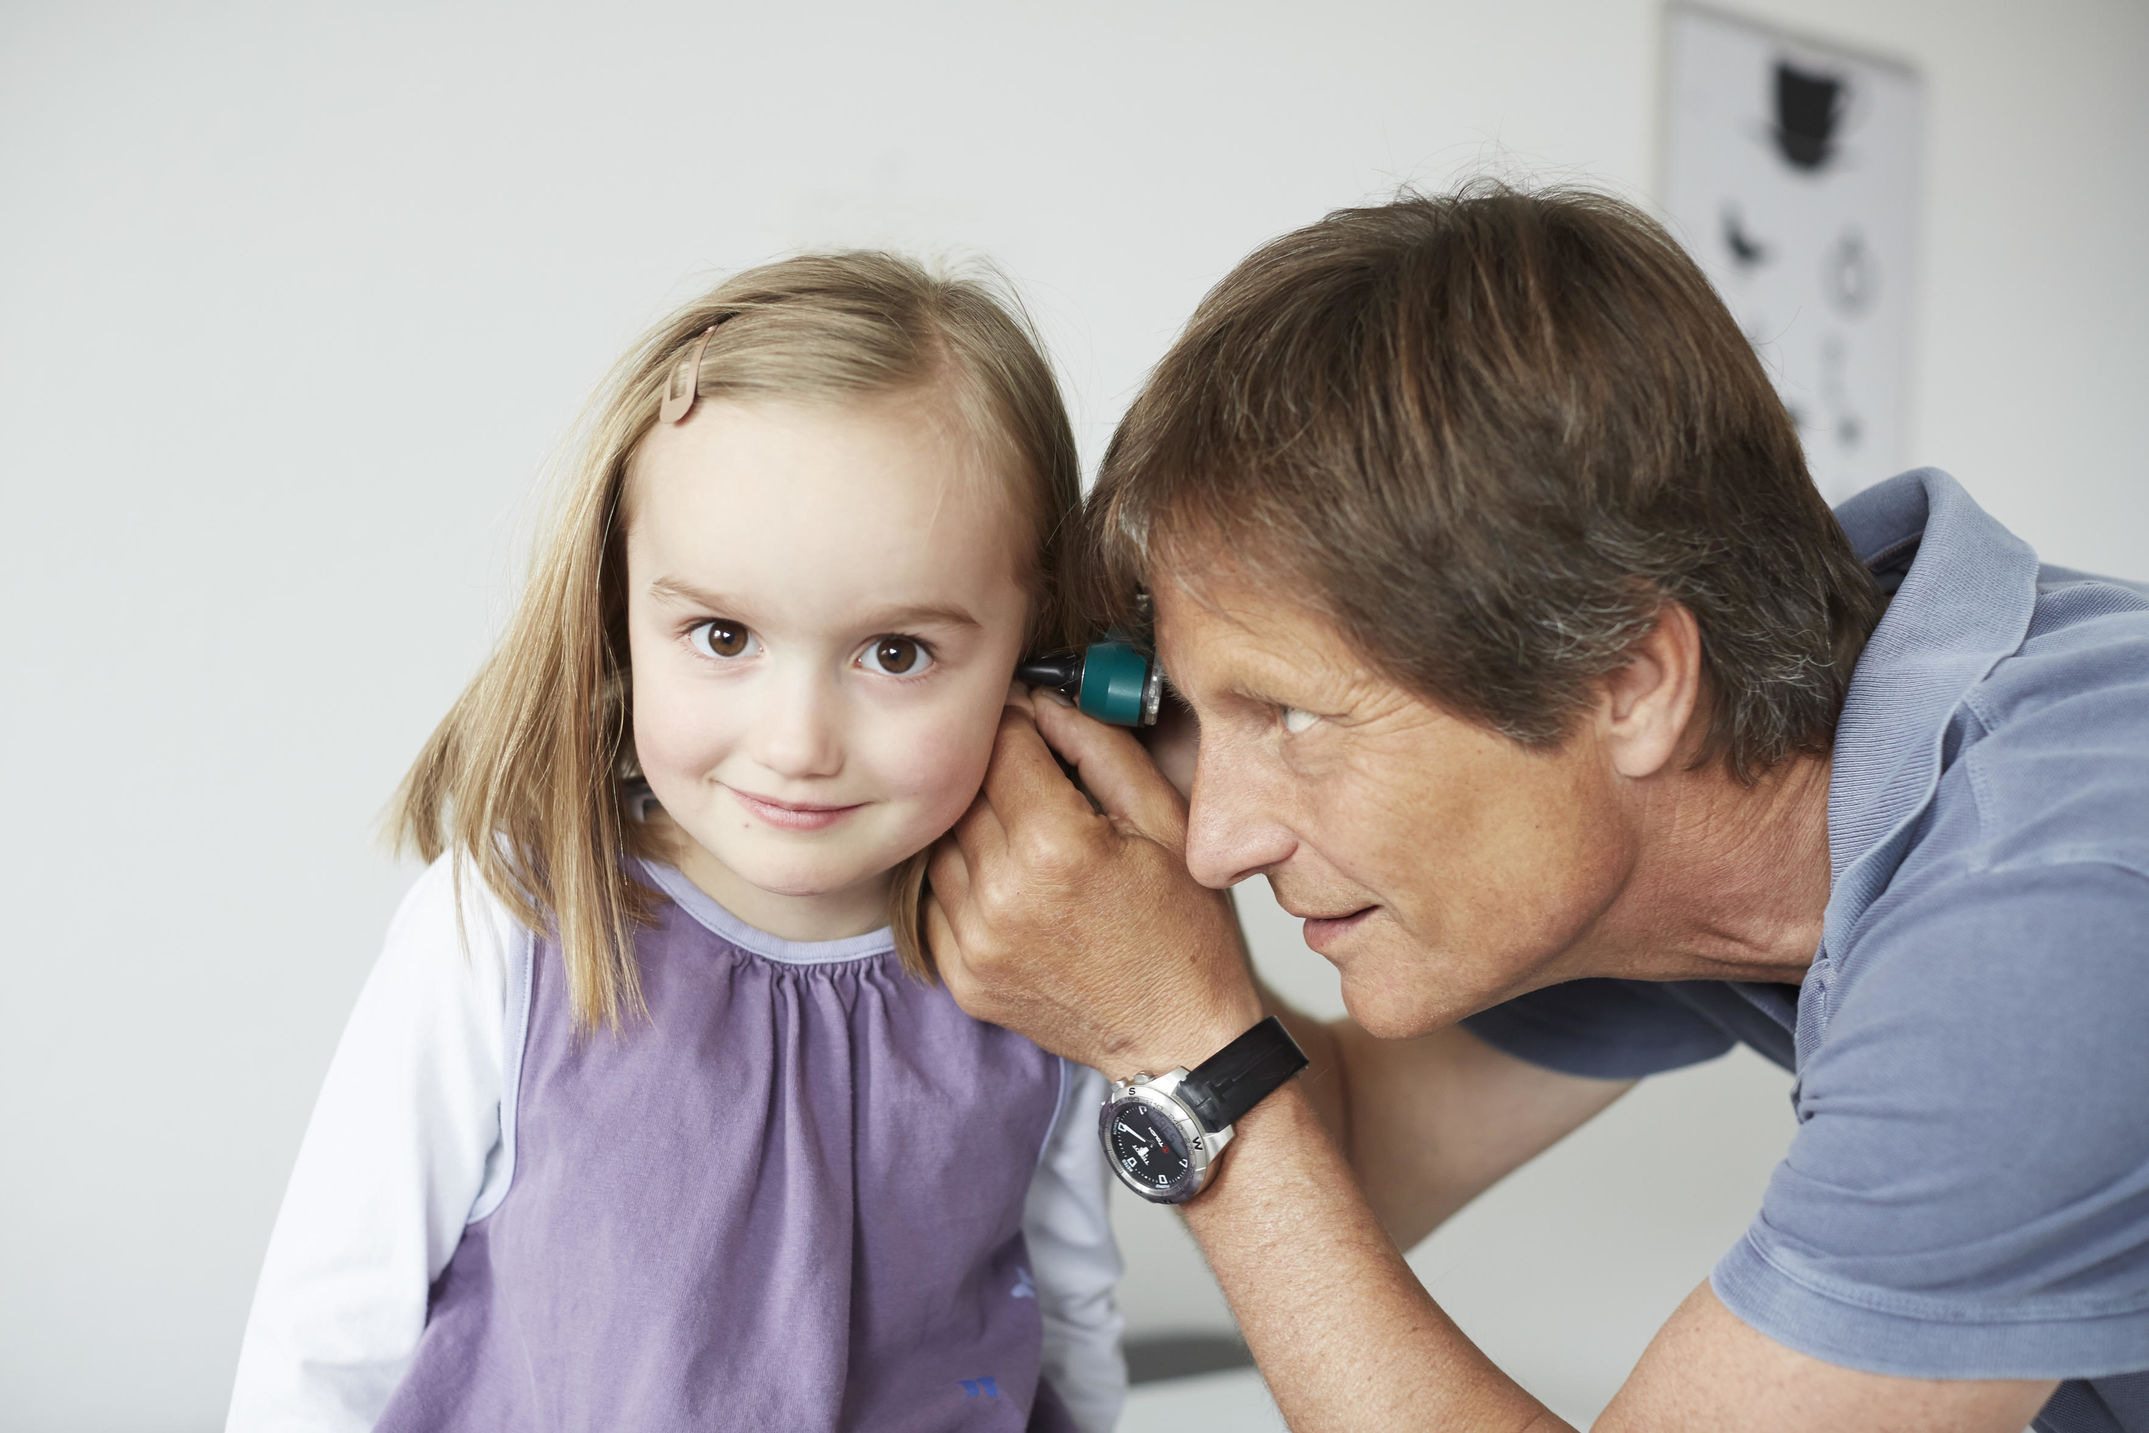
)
(1148, 1148)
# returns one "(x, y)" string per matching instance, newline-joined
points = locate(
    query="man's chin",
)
(1387, 1013)
(1381, 1027)
(1386, 993)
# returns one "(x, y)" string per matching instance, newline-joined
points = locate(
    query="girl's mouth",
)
(792, 815)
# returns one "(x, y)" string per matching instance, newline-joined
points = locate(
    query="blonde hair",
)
(523, 777)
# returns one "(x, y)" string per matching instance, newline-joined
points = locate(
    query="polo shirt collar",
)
(1965, 602)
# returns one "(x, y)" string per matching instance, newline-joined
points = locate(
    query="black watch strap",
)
(1242, 1074)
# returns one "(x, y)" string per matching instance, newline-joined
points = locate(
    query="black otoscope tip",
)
(1061, 670)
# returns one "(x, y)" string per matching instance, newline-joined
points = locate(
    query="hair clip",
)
(685, 385)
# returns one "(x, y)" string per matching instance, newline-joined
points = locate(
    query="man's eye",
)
(896, 656)
(1296, 721)
(723, 639)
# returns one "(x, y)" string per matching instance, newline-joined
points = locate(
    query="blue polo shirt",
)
(1967, 1193)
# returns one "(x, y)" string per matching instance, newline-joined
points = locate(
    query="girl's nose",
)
(798, 731)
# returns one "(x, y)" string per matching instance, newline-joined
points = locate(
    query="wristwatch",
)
(1163, 1134)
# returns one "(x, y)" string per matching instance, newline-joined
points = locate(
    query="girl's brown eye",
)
(723, 639)
(897, 657)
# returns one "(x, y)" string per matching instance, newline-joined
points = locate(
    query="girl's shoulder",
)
(452, 938)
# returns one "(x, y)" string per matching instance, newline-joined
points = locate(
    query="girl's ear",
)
(906, 917)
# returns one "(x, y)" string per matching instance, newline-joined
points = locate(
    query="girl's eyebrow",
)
(892, 617)
(918, 614)
(673, 590)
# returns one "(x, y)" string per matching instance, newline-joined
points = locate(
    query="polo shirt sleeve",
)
(1967, 1194)
(1603, 1029)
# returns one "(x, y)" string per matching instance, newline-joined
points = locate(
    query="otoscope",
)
(1112, 681)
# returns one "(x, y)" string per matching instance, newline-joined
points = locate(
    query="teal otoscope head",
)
(1113, 681)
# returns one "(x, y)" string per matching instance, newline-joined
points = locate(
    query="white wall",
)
(294, 301)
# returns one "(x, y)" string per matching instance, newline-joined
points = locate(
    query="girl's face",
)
(824, 606)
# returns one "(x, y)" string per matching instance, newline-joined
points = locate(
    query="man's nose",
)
(798, 727)
(1232, 830)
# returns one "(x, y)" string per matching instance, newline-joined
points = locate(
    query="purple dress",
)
(791, 1200)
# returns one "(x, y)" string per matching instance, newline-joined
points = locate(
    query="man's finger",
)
(947, 873)
(1118, 772)
(1023, 780)
(980, 833)
(940, 936)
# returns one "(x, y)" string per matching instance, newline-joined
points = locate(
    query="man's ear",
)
(1645, 706)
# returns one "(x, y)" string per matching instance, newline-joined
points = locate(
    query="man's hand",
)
(1080, 927)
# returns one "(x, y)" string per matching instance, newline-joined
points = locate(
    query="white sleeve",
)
(1074, 1260)
(405, 1147)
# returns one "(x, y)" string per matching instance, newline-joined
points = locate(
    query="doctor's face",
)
(1440, 866)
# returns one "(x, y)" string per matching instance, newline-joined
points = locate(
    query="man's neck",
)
(1730, 881)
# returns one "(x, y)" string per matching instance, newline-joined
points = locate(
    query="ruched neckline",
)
(712, 917)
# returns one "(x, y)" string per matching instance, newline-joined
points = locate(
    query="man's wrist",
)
(1188, 1043)
(1166, 1134)
(1254, 1134)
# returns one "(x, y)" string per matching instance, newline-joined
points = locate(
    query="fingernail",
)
(1054, 694)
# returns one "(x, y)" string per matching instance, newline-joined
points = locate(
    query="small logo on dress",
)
(980, 1388)
(1025, 1286)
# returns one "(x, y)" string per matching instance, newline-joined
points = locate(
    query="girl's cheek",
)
(938, 762)
(671, 731)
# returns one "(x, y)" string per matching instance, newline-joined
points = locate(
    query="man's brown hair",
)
(1488, 434)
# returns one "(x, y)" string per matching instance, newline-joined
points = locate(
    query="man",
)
(1535, 676)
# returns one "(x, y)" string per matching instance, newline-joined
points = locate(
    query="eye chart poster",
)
(1791, 172)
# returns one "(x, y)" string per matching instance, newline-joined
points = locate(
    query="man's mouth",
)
(1323, 932)
(792, 815)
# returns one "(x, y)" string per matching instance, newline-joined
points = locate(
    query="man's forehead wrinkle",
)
(1267, 649)
(1198, 555)
(1231, 592)
(1197, 585)
(1183, 588)
(1317, 677)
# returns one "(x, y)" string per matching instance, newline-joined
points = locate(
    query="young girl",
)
(650, 1117)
